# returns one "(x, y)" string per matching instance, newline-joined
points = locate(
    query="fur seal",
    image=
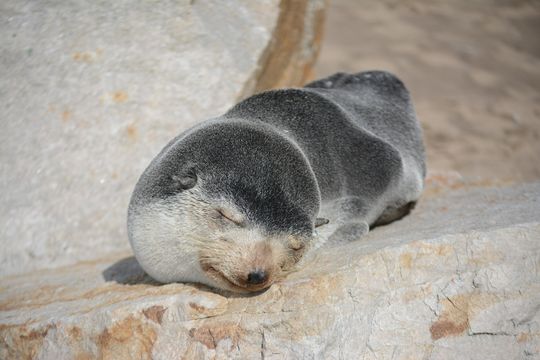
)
(234, 202)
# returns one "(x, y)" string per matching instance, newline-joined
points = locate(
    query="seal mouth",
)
(247, 288)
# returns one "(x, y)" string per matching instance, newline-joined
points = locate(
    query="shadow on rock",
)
(128, 271)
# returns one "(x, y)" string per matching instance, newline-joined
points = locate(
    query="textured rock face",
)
(457, 279)
(91, 91)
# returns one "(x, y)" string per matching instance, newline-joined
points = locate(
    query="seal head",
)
(213, 207)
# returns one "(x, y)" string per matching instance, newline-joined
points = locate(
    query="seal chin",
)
(237, 286)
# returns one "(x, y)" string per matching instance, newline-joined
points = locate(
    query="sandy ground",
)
(473, 68)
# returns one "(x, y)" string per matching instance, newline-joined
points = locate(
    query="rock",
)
(91, 91)
(458, 278)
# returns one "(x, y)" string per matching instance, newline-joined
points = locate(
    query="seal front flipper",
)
(349, 231)
(348, 220)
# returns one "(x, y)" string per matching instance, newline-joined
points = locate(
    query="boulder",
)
(91, 91)
(456, 279)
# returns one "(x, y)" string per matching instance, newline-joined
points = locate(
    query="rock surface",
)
(91, 91)
(457, 279)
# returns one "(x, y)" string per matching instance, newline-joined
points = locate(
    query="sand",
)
(473, 68)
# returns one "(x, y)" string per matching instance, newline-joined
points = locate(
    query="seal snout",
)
(257, 277)
(243, 266)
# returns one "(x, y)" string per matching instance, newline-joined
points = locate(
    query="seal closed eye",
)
(237, 201)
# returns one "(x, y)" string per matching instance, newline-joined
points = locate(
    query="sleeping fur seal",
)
(234, 202)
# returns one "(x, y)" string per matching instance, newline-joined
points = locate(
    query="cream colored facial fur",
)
(191, 238)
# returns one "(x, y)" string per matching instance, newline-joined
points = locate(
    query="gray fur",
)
(347, 148)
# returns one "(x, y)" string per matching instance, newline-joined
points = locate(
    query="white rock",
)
(91, 91)
(440, 284)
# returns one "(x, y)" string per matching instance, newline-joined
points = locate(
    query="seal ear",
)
(186, 179)
(321, 221)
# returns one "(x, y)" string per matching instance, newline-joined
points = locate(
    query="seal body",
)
(234, 203)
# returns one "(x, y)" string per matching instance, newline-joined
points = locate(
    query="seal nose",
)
(256, 277)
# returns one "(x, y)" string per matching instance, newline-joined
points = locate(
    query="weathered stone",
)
(458, 278)
(91, 91)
